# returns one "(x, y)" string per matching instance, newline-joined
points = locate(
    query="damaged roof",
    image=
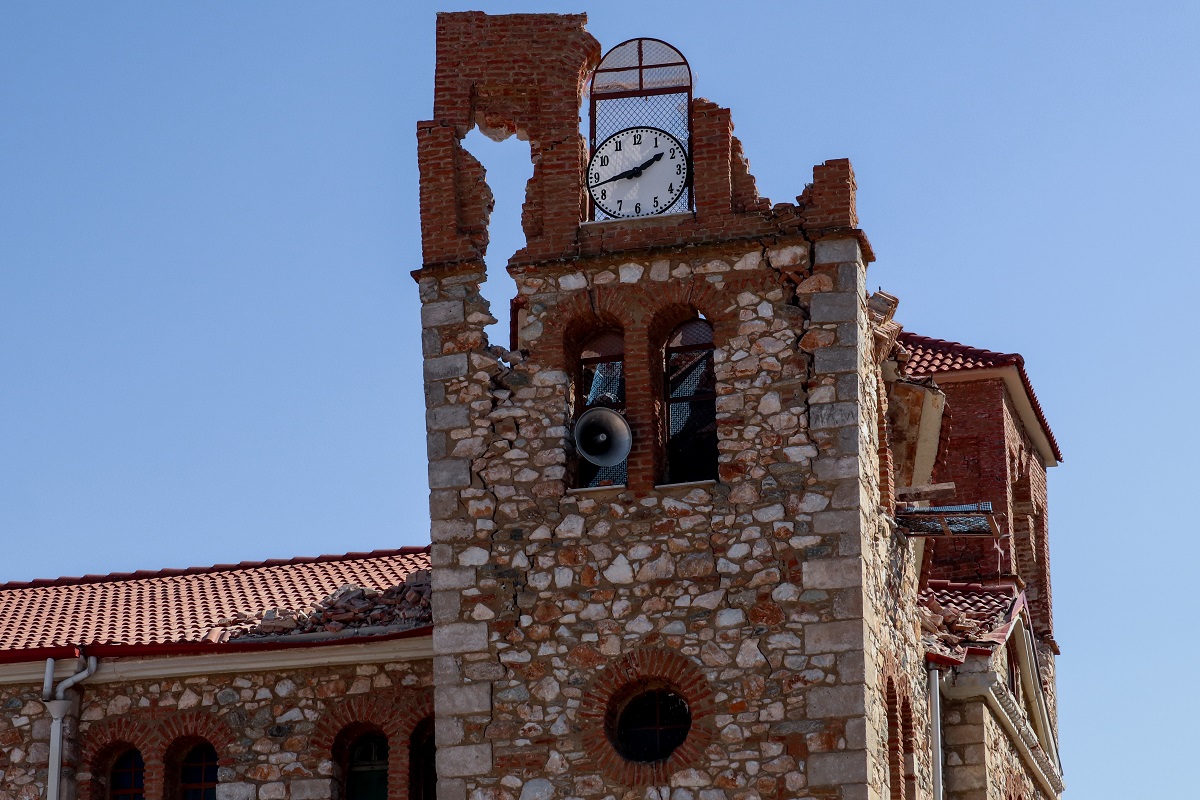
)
(178, 608)
(959, 617)
(931, 358)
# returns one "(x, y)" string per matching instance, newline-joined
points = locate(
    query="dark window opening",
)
(691, 400)
(127, 777)
(650, 725)
(601, 384)
(198, 773)
(422, 768)
(1012, 656)
(366, 773)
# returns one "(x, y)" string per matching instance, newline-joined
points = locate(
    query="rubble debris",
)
(402, 607)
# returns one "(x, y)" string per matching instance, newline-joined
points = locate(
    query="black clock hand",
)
(630, 173)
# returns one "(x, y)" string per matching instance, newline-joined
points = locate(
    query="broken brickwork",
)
(757, 580)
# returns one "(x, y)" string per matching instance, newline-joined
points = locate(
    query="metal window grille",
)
(642, 82)
(126, 779)
(198, 774)
(691, 398)
(367, 773)
(601, 382)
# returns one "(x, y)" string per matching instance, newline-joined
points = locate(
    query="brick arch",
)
(647, 665)
(395, 716)
(675, 302)
(106, 741)
(568, 324)
(178, 734)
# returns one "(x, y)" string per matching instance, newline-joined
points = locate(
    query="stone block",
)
(312, 789)
(463, 761)
(449, 473)
(236, 791)
(447, 312)
(828, 360)
(836, 769)
(836, 701)
(832, 415)
(471, 698)
(832, 573)
(837, 251)
(836, 521)
(444, 418)
(451, 578)
(833, 637)
(460, 637)
(445, 367)
(832, 307)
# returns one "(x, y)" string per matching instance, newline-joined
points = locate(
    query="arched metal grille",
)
(643, 82)
(198, 774)
(126, 780)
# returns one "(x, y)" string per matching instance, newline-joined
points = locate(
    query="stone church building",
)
(793, 551)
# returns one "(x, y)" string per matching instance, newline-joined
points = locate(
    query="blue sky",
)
(209, 340)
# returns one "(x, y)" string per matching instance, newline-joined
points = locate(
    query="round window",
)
(649, 724)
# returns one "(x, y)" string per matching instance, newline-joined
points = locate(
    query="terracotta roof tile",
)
(932, 357)
(182, 606)
(956, 616)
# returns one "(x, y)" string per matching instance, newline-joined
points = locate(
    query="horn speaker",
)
(603, 437)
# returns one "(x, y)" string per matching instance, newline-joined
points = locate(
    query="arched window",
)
(690, 389)
(367, 768)
(422, 762)
(198, 773)
(127, 776)
(601, 383)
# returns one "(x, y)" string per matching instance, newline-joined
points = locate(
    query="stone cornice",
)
(121, 669)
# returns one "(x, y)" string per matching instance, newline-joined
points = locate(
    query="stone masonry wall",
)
(275, 732)
(541, 592)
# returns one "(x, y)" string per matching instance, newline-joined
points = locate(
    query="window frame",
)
(698, 397)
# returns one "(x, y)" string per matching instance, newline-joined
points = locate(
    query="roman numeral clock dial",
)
(638, 172)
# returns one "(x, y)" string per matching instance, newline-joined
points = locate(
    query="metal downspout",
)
(935, 723)
(58, 708)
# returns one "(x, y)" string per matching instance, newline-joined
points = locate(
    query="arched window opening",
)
(600, 383)
(649, 723)
(127, 777)
(198, 773)
(691, 398)
(422, 765)
(367, 768)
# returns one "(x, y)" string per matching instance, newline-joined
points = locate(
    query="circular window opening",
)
(649, 724)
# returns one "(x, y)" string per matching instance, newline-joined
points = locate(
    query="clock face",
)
(638, 172)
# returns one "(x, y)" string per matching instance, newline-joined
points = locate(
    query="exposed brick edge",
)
(648, 664)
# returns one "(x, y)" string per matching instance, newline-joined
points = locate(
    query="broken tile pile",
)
(945, 629)
(403, 606)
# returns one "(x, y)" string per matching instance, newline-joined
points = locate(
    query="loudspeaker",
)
(603, 437)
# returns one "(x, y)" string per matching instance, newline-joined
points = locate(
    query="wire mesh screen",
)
(669, 112)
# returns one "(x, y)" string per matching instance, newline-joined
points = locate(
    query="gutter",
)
(935, 724)
(989, 688)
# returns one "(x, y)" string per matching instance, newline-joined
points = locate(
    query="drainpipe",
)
(58, 707)
(935, 720)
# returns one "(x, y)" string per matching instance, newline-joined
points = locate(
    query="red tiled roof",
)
(932, 357)
(181, 606)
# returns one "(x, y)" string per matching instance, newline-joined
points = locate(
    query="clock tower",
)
(682, 594)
